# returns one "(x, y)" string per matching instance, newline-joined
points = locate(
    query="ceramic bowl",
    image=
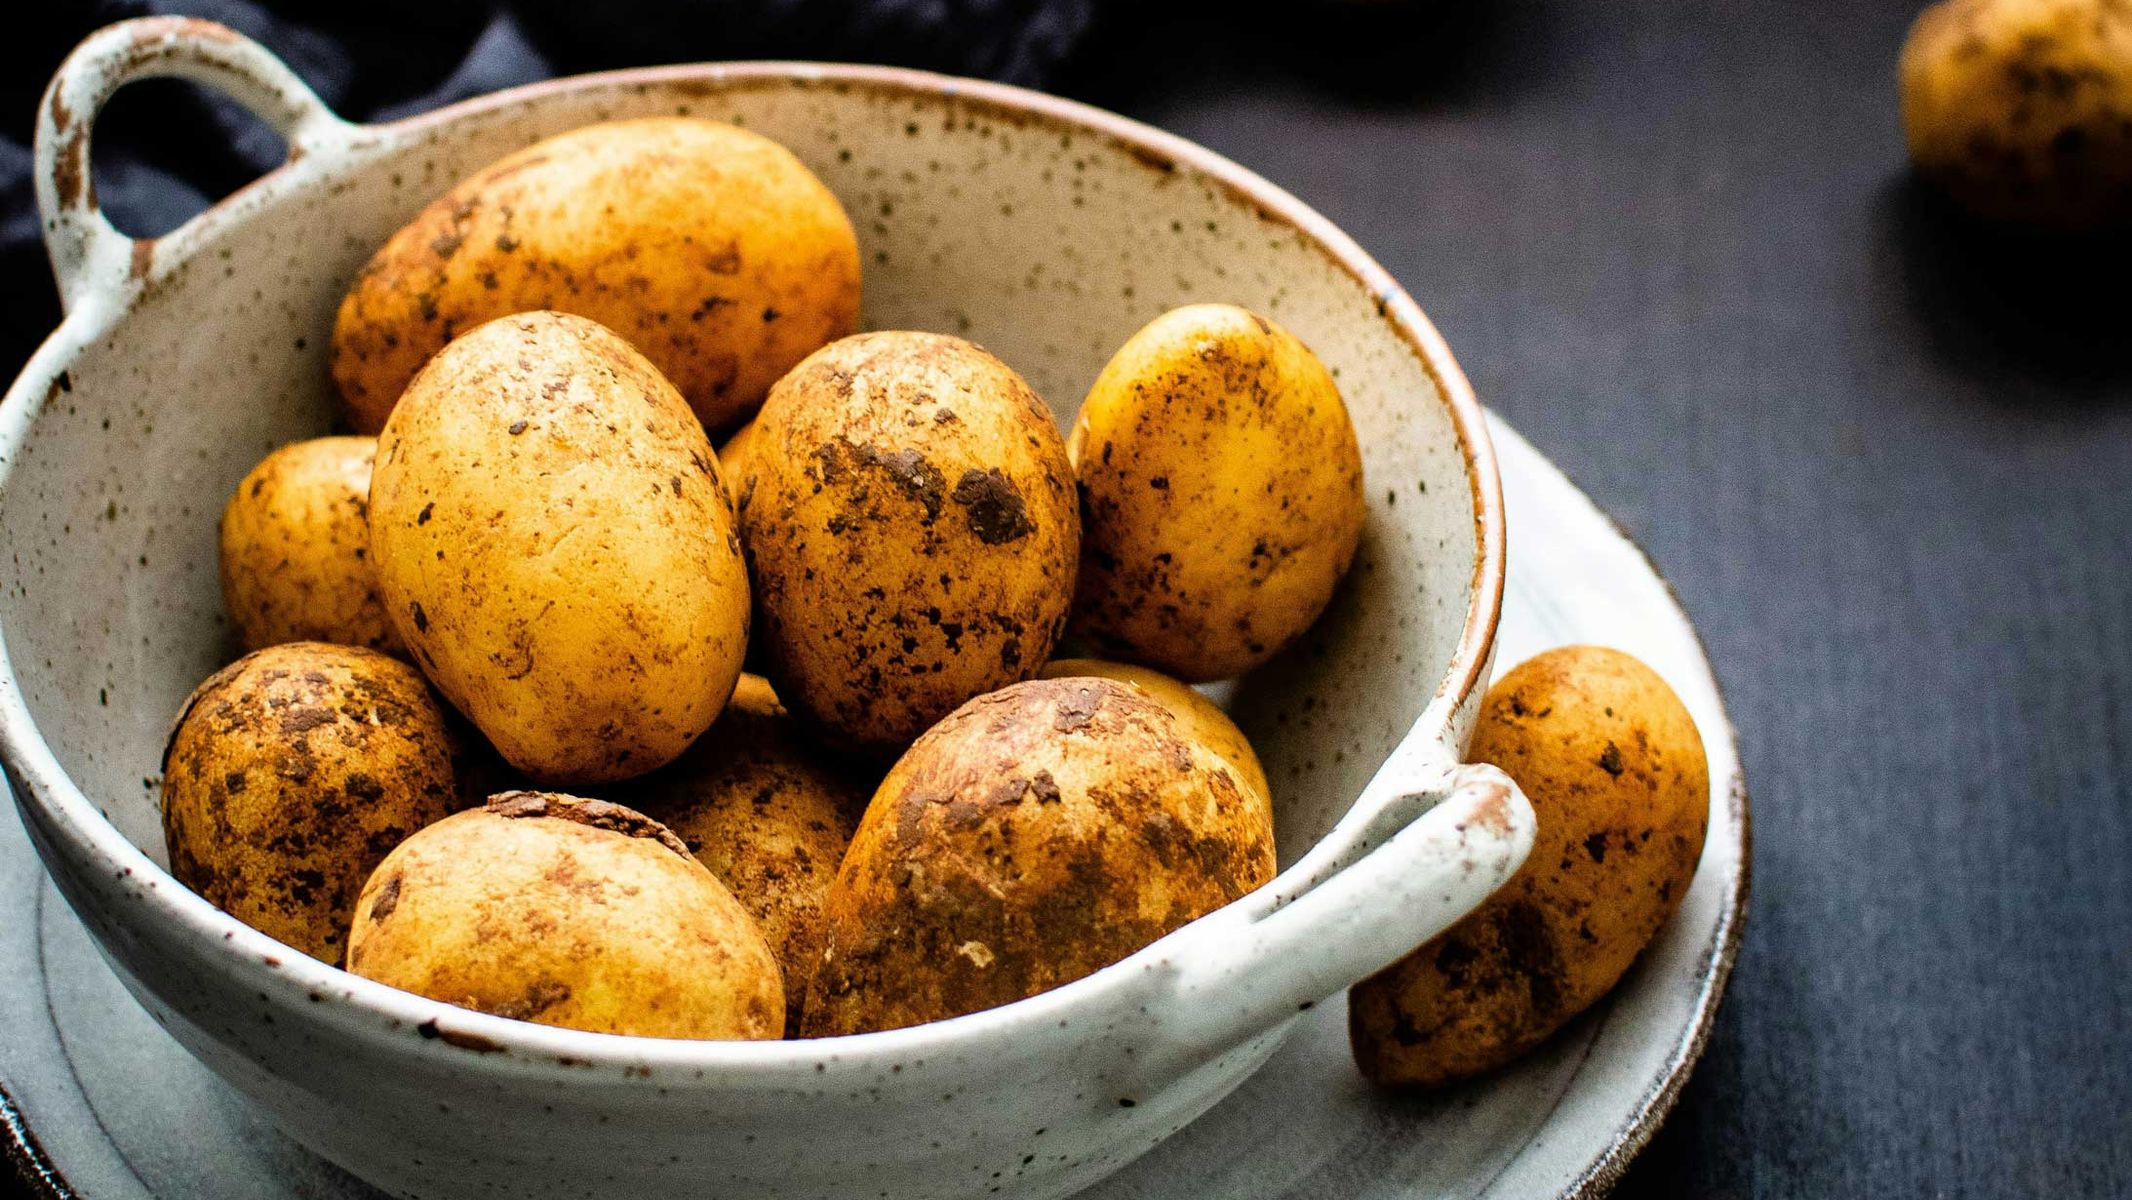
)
(1044, 229)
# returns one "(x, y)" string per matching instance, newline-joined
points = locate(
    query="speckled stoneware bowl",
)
(1047, 231)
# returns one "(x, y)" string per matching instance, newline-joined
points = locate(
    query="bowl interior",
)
(1046, 239)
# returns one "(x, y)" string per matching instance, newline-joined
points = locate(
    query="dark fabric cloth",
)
(166, 150)
(1885, 457)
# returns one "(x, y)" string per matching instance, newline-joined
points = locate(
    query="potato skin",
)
(570, 912)
(556, 549)
(1200, 717)
(769, 815)
(291, 773)
(734, 457)
(2022, 109)
(735, 466)
(1221, 494)
(1614, 767)
(295, 543)
(1040, 833)
(911, 534)
(712, 250)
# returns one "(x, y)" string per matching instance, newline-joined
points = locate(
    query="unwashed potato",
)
(735, 466)
(1200, 717)
(555, 547)
(734, 459)
(770, 816)
(2022, 109)
(290, 774)
(1614, 767)
(569, 912)
(1039, 833)
(1221, 494)
(911, 534)
(296, 545)
(713, 250)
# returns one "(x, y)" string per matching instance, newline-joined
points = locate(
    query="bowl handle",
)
(88, 254)
(1242, 977)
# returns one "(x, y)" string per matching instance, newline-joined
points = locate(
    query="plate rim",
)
(1598, 1176)
(33, 1168)
(1605, 1169)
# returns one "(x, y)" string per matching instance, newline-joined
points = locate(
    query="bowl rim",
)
(51, 799)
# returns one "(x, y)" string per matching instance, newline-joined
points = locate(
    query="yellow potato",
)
(555, 546)
(1039, 833)
(2022, 109)
(1614, 767)
(911, 534)
(711, 249)
(569, 912)
(1200, 717)
(290, 774)
(770, 816)
(296, 545)
(734, 463)
(1221, 494)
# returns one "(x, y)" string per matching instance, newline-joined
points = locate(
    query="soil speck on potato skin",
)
(540, 996)
(388, 899)
(996, 512)
(1077, 709)
(599, 814)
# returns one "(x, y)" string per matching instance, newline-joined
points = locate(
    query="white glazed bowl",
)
(1044, 229)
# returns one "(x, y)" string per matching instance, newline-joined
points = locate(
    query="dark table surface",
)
(1886, 459)
(1887, 462)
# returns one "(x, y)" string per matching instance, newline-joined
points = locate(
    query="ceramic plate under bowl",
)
(104, 1106)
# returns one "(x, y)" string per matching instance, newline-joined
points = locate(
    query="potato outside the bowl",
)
(2022, 109)
(1200, 717)
(1038, 834)
(911, 534)
(570, 912)
(770, 815)
(1614, 767)
(555, 547)
(295, 549)
(712, 250)
(291, 773)
(1221, 494)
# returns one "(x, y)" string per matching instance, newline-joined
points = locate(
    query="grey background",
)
(1884, 458)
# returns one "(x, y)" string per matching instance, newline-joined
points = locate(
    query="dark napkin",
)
(164, 150)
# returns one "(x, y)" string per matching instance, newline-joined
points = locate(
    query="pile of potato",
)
(493, 742)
